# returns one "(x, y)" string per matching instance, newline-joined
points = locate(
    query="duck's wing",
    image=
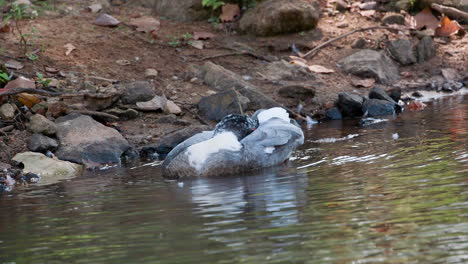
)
(197, 138)
(275, 132)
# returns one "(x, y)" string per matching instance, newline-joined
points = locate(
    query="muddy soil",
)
(99, 48)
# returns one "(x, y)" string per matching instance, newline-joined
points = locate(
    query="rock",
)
(370, 63)
(41, 143)
(151, 73)
(168, 142)
(171, 108)
(57, 109)
(402, 51)
(106, 20)
(139, 91)
(333, 114)
(41, 125)
(284, 71)
(395, 94)
(50, 170)
(425, 49)
(102, 100)
(217, 106)
(341, 5)
(379, 93)
(7, 112)
(95, 8)
(22, 2)
(157, 103)
(298, 92)
(350, 104)
(376, 107)
(393, 18)
(359, 43)
(273, 17)
(123, 114)
(173, 120)
(222, 79)
(179, 10)
(83, 140)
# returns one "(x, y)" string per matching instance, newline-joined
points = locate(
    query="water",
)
(393, 192)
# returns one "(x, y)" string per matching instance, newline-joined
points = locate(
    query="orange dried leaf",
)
(229, 12)
(447, 27)
(28, 100)
(416, 105)
(426, 19)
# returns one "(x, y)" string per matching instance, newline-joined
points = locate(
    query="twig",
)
(326, 43)
(220, 55)
(94, 113)
(30, 91)
(3, 130)
(451, 11)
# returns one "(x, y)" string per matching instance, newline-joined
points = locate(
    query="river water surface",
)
(394, 192)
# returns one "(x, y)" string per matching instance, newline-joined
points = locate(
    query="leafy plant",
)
(32, 56)
(41, 80)
(4, 78)
(214, 4)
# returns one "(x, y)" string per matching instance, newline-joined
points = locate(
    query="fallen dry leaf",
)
(416, 105)
(366, 83)
(106, 20)
(368, 5)
(320, 69)
(198, 44)
(69, 48)
(203, 35)
(447, 27)
(123, 62)
(5, 27)
(367, 13)
(95, 8)
(28, 100)
(145, 24)
(426, 19)
(20, 82)
(229, 12)
(51, 70)
(450, 74)
(295, 58)
(301, 63)
(12, 64)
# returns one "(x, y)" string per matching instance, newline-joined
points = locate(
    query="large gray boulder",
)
(273, 17)
(425, 49)
(86, 141)
(402, 51)
(217, 106)
(371, 64)
(139, 91)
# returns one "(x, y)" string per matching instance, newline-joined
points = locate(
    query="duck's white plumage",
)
(198, 153)
(207, 154)
(277, 112)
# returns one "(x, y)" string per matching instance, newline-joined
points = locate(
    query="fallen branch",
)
(450, 11)
(30, 91)
(94, 113)
(326, 43)
(7, 128)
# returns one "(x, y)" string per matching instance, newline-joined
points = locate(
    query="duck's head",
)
(240, 125)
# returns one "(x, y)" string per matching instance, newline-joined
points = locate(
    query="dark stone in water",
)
(395, 94)
(334, 114)
(350, 104)
(379, 93)
(376, 107)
